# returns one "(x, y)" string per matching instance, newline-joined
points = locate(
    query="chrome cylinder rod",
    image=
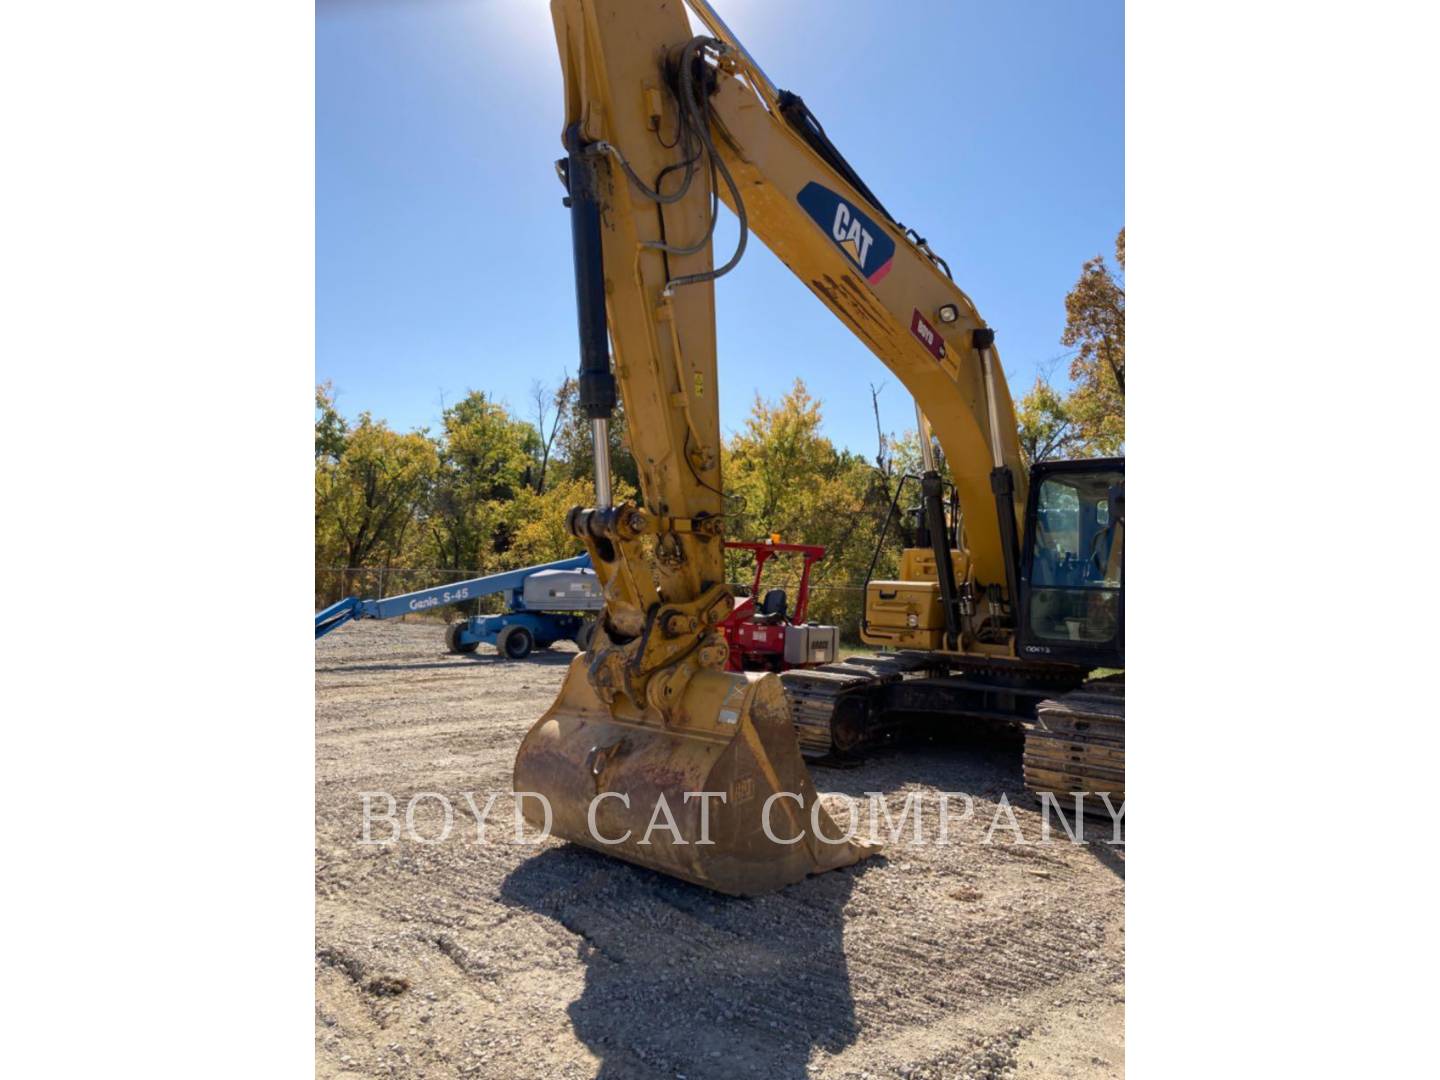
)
(987, 358)
(600, 444)
(927, 446)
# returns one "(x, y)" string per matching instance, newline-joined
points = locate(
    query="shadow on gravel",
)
(1113, 859)
(539, 659)
(982, 766)
(681, 980)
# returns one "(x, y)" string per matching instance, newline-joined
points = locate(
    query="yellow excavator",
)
(1010, 589)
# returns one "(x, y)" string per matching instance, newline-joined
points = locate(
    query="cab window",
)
(1078, 557)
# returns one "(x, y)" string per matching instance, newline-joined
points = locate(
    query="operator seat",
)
(772, 607)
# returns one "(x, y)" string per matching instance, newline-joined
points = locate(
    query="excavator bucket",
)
(635, 788)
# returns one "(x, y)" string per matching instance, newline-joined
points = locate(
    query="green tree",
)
(787, 477)
(486, 459)
(368, 500)
(574, 454)
(779, 448)
(1047, 428)
(539, 534)
(331, 430)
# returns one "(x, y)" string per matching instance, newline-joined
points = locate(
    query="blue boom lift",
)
(545, 606)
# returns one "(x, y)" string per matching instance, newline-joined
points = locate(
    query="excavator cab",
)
(1072, 582)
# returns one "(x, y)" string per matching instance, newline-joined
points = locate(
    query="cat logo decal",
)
(853, 231)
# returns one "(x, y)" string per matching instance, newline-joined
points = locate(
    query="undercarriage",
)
(1074, 728)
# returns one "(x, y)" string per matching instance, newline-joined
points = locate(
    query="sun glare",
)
(522, 22)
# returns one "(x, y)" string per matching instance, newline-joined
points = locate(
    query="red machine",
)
(764, 636)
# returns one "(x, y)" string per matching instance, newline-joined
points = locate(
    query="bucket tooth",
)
(617, 781)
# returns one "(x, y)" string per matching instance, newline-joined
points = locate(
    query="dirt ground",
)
(507, 960)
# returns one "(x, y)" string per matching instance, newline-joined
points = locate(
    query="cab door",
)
(1072, 568)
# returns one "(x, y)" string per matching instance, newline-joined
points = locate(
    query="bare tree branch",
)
(883, 457)
(546, 410)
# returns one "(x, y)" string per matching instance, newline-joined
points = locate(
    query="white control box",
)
(811, 644)
(563, 590)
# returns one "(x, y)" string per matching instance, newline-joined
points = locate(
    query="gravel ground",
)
(540, 960)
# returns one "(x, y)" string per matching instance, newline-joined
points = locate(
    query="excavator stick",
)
(719, 797)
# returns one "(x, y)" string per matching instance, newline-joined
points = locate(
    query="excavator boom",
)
(802, 198)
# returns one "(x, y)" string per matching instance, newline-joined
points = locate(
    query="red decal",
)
(927, 335)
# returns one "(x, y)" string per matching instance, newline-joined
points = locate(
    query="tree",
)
(574, 444)
(786, 477)
(1047, 428)
(906, 458)
(367, 500)
(549, 408)
(780, 445)
(1095, 327)
(540, 535)
(486, 458)
(331, 430)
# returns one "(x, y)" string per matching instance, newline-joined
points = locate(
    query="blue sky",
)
(996, 128)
